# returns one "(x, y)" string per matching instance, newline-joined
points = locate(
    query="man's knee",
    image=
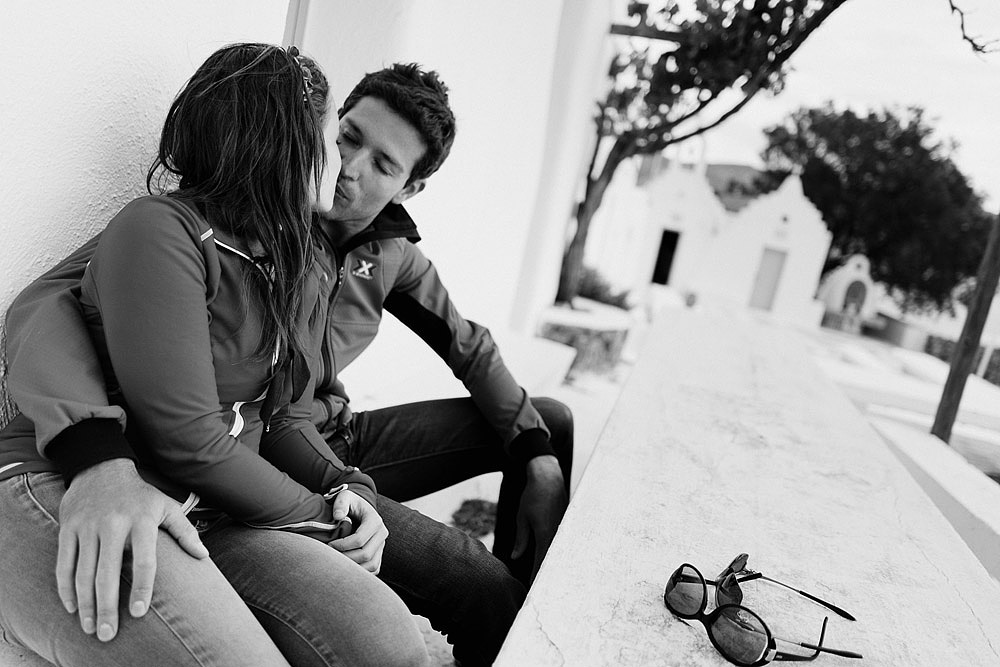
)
(559, 420)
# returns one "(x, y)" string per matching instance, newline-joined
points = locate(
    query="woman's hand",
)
(365, 545)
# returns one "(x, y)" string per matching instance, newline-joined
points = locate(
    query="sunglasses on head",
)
(739, 634)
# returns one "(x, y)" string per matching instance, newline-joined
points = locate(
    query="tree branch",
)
(974, 42)
(755, 84)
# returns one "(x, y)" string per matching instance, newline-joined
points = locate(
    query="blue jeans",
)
(264, 598)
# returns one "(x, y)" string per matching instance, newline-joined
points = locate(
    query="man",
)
(396, 129)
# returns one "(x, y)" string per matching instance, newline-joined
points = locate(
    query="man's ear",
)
(410, 190)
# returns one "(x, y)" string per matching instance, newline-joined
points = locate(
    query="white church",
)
(663, 223)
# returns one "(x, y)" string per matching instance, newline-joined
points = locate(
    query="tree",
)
(658, 92)
(685, 71)
(887, 190)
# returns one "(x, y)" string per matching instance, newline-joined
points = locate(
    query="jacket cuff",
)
(359, 483)
(87, 443)
(529, 444)
(366, 492)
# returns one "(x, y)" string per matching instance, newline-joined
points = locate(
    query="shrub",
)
(594, 286)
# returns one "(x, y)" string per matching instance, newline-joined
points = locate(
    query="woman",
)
(206, 308)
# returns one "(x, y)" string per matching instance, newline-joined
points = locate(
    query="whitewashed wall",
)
(84, 89)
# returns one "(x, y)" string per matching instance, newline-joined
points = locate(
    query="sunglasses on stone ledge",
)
(738, 633)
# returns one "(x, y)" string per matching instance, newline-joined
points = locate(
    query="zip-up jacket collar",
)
(392, 222)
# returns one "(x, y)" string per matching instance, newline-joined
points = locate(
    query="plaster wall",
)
(83, 93)
(504, 64)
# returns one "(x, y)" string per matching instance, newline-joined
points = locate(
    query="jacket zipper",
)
(270, 281)
(330, 365)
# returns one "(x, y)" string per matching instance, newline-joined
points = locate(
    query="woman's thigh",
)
(319, 607)
(196, 618)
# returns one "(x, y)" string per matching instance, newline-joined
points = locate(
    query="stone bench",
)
(728, 439)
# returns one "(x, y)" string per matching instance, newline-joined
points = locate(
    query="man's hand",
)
(543, 504)
(106, 509)
(365, 545)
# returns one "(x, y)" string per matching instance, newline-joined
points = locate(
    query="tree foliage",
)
(887, 189)
(668, 83)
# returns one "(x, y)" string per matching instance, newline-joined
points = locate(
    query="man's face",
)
(378, 150)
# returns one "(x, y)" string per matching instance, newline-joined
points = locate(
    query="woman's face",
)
(328, 181)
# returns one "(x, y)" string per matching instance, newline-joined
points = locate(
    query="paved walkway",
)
(885, 381)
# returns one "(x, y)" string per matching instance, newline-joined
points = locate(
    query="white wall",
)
(788, 221)
(84, 89)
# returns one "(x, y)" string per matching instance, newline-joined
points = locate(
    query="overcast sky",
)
(878, 53)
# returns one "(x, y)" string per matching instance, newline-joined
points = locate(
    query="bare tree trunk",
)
(572, 263)
(968, 343)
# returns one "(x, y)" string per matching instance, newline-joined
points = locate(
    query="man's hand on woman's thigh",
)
(108, 509)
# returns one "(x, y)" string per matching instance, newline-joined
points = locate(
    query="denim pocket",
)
(45, 491)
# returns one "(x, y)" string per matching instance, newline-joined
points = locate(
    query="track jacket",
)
(170, 373)
(378, 268)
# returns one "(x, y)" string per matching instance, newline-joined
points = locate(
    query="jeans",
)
(451, 579)
(412, 450)
(415, 449)
(264, 598)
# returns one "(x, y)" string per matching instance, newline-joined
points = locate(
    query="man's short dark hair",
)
(421, 98)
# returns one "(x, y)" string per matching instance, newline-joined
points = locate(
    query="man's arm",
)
(54, 374)
(421, 302)
(56, 380)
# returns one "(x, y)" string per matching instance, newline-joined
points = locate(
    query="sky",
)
(873, 54)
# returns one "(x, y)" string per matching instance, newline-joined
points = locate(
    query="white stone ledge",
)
(968, 499)
(728, 439)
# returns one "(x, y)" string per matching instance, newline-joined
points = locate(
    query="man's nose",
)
(349, 166)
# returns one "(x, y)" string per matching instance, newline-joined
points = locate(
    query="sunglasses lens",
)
(740, 635)
(685, 591)
(728, 591)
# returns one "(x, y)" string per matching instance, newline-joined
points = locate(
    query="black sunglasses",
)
(739, 634)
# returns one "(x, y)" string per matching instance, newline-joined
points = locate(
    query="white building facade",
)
(675, 231)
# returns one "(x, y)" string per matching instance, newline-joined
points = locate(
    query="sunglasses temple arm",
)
(832, 607)
(835, 651)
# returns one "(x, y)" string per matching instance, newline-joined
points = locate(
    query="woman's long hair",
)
(243, 140)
